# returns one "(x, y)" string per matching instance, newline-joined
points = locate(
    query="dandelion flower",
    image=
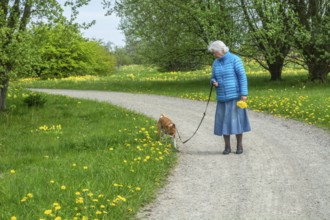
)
(13, 218)
(121, 198)
(63, 187)
(12, 171)
(30, 195)
(80, 200)
(241, 104)
(48, 212)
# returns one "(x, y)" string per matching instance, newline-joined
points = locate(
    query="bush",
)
(35, 99)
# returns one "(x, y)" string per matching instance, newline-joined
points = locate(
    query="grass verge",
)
(293, 97)
(73, 159)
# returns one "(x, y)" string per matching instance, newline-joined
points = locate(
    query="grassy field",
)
(73, 159)
(293, 97)
(77, 159)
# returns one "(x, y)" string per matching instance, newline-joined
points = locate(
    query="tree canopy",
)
(174, 34)
(36, 39)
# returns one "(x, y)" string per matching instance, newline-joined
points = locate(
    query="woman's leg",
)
(239, 138)
(227, 144)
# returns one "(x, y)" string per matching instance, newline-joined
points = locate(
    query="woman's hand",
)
(244, 98)
(215, 84)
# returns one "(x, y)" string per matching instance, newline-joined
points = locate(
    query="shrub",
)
(34, 99)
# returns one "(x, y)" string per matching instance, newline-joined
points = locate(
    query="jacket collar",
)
(224, 57)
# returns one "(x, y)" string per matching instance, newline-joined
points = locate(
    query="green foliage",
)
(77, 156)
(35, 99)
(64, 52)
(174, 35)
(294, 90)
(311, 21)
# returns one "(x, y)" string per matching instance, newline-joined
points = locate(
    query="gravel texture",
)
(284, 172)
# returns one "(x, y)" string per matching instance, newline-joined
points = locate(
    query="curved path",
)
(284, 172)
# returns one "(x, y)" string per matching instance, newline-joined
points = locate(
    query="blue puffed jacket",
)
(229, 72)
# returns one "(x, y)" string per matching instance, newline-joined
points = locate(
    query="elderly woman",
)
(229, 79)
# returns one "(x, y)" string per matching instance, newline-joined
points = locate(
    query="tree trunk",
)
(275, 69)
(3, 94)
(318, 71)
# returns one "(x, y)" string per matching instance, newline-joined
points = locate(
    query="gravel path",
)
(284, 172)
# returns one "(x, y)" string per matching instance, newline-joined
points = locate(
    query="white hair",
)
(218, 46)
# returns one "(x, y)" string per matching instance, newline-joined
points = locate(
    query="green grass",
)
(74, 158)
(293, 97)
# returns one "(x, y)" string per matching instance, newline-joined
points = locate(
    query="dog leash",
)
(208, 101)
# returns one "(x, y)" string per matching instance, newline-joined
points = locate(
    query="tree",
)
(312, 35)
(268, 41)
(175, 34)
(62, 52)
(15, 16)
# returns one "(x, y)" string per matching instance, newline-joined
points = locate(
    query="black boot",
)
(239, 138)
(227, 150)
(239, 149)
(227, 144)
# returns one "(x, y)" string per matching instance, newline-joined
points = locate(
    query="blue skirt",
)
(230, 119)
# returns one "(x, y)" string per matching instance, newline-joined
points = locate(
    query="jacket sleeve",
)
(213, 77)
(241, 77)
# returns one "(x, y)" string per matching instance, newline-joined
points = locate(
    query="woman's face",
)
(218, 54)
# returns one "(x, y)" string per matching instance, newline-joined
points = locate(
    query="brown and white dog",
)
(166, 127)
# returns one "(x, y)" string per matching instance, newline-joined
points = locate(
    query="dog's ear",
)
(173, 125)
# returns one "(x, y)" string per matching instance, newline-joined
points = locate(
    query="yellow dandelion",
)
(24, 199)
(48, 212)
(63, 187)
(85, 167)
(12, 171)
(30, 195)
(13, 218)
(121, 198)
(58, 218)
(52, 181)
(241, 104)
(57, 207)
(101, 196)
(80, 200)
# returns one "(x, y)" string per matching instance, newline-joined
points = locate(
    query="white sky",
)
(105, 28)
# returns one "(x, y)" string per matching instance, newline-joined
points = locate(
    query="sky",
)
(105, 28)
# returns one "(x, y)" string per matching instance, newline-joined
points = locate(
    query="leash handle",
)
(200, 123)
